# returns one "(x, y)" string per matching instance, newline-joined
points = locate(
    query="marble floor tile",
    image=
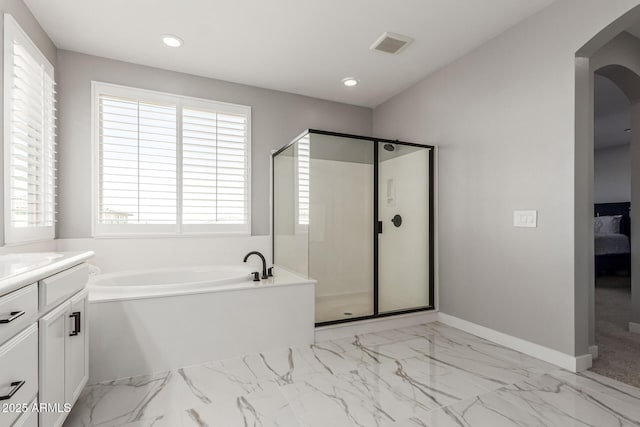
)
(491, 370)
(611, 385)
(325, 358)
(283, 366)
(377, 394)
(426, 375)
(120, 402)
(167, 420)
(376, 338)
(263, 406)
(543, 401)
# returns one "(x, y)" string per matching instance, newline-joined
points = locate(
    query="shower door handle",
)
(379, 227)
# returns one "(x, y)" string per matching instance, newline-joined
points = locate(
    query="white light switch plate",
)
(525, 219)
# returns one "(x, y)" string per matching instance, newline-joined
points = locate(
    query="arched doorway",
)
(616, 96)
(617, 61)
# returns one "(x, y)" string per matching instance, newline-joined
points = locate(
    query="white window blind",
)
(29, 139)
(138, 162)
(214, 167)
(169, 164)
(304, 151)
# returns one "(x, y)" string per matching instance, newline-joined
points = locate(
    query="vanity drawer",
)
(56, 288)
(18, 373)
(17, 309)
(29, 418)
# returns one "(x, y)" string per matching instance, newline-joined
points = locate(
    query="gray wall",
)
(277, 118)
(503, 117)
(612, 175)
(29, 24)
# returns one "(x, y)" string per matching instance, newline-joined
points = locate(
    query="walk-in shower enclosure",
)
(356, 214)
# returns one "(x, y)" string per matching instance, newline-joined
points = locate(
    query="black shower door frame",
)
(431, 226)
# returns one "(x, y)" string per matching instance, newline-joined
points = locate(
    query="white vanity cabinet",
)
(63, 347)
(43, 338)
(53, 339)
(77, 348)
(18, 375)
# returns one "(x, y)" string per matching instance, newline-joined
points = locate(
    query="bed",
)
(612, 238)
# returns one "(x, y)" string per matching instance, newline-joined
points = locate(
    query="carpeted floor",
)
(619, 349)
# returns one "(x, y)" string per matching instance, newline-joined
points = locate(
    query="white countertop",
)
(21, 269)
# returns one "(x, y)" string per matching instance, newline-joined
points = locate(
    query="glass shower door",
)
(341, 220)
(290, 211)
(405, 224)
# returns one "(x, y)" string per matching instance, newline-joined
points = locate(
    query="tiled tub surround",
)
(427, 375)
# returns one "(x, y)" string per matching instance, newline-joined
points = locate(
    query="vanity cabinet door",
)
(53, 337)
(77, 351)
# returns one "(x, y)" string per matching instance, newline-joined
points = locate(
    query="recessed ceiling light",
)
(171, 40)
(350, 81)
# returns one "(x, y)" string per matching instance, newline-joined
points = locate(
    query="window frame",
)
(165, 230)
(19, 235)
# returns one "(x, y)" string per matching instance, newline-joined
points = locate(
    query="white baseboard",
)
(344, 330)
(566, 361)
(634, 327)
(593, 350)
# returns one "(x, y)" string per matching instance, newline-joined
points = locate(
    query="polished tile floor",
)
(427, 375)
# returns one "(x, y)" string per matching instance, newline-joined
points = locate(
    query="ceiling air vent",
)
(391, 43)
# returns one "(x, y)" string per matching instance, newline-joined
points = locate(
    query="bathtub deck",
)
(427, 375)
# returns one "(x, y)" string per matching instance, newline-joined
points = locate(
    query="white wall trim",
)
(634, 327)
(566, 361)
(345, 330)
(593, 350)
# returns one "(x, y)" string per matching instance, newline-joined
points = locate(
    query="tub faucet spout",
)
(264, 262)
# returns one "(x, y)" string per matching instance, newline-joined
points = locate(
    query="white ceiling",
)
(611, 114)
(299, 46)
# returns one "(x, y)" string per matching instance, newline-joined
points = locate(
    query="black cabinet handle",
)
(16, 386)
(12, 316)
(76, 323)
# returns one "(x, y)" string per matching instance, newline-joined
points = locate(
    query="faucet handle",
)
(270, 271)
(256, 276)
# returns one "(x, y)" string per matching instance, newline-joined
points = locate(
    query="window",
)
(29, 139)
(169, 164)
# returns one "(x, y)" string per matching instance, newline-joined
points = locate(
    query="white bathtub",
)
(148, 321)
(170, 281)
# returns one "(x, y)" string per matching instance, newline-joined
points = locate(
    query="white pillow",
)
(607, 224)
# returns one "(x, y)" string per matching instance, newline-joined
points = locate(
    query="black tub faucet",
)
(264, 262)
